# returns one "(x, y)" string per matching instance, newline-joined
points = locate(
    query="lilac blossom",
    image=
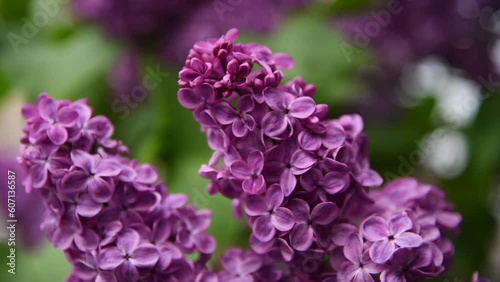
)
(302, 179)
(388, 235)
(108, 213)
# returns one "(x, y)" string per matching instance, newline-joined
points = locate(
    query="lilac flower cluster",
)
(108, 213)
(302, 180)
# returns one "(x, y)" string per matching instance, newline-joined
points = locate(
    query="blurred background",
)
(423, 74)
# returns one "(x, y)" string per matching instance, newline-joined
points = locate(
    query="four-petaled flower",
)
(388, 235)
(270, 215)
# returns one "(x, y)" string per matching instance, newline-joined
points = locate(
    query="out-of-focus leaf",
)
(341, 6)
(64, 68)
(13, 10)
(43, 265)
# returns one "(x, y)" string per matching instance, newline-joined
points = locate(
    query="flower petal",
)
(145, 255)
(274, 124)
(282, 219)
(301, 237)
(274, 197)
(128, 241)
(57, 134)
(408, 240)
(110, 258)
(400, 223)
(263, 229)
(324, 213)
(302, 107)
(381, 251)
(375, 228)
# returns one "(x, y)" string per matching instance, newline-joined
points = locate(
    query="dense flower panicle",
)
(108, 213)
(302, 179)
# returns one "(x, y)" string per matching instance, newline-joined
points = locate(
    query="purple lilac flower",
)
(107, 213)
(303, 179)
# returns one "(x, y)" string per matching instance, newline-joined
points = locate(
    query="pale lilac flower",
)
(389, 235)
(269, 214)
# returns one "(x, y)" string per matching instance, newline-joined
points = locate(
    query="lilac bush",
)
(109, 214)
(301, 180)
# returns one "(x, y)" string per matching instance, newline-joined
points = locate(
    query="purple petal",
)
(146, 174)
(311, 179)
(301, 237)
(309, 141)
(239, 128)
(87, 207)
(204, 243)
(127, 272)
(107, 168)
(67, 116)
(83, 160)
(87, 241)
(283, 60)
(263, 228)
(302, 107)
(288, 181)
(399, 223)
(100, 190)
(38, 175)
(47, 108)
(62, 238)
(353, 249)
(255, 206)
(341, 233)
(275, 99)
(128, 241)
(194, 98)
(392, 275)
(375, 228)
(57, 134)
(408, 240)
(245, 104)
(334, 182)
(285, 249)
(449, 219)
(240, 170)
(224, 113)
(254, 186)
(282, 219)
(99, 126)
(110, 258)
(274, 197)
(256, 161)
(74, 182)
(300, 210)
(144, 256)
(381, 251)
(335, 136)
(274, 124)
(324, 213)
(302, 160)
